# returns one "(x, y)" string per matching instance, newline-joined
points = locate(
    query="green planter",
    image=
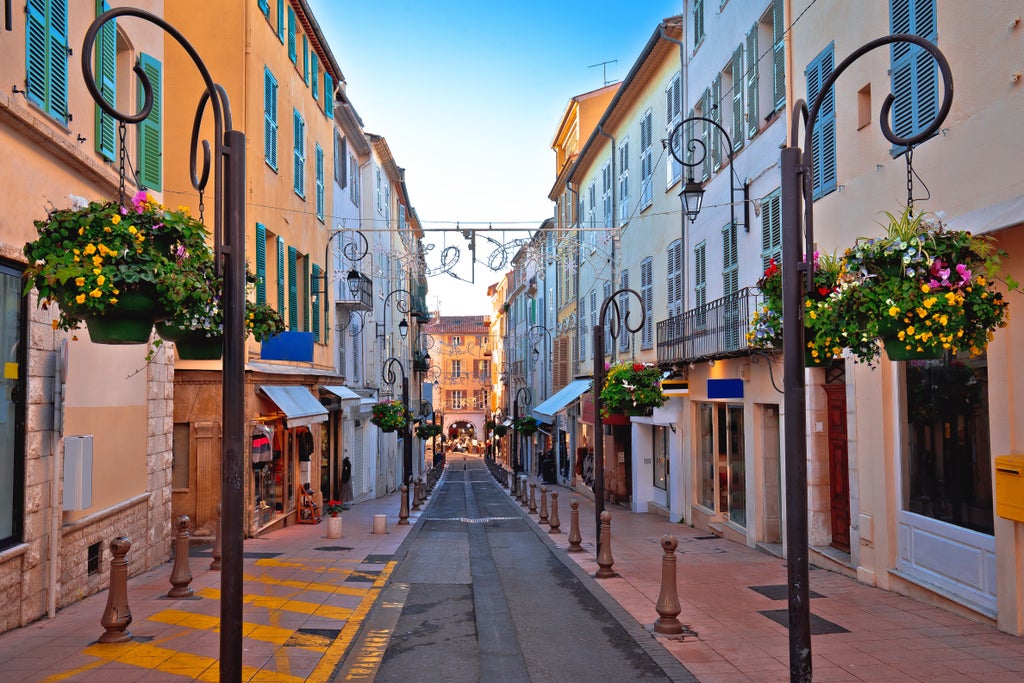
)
(897, 350)
(130, 323)
(192, 344)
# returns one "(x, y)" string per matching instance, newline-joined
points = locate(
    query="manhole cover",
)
(332, 548)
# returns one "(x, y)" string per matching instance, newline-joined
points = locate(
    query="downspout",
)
(684, 290)
(574, 212)
(600, 129)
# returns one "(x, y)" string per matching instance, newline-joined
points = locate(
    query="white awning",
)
(299, 406)
(344, 393)
(561, 399)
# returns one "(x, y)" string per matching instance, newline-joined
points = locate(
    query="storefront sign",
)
(725, 388)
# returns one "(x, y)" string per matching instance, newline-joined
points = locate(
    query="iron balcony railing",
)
(716, 330)
(363, 299)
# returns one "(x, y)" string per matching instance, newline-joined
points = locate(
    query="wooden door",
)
(838, 465)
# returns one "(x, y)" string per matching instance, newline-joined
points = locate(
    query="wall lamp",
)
(692, 193)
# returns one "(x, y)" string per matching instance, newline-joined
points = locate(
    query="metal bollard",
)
(604, 554)
(403, 510)
(543, 518)
(574, 527)
(181, 574)
(117, 615)
(668, 598)
(215, 554)
(553, 520)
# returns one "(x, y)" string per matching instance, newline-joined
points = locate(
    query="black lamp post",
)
(525, 398)
(404, 304)
(692, 193)
(797, 183)
(388, 376)
(612, 305)
(229, 248)
(534, 335)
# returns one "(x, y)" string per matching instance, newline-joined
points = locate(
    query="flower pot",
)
(192, 344)
(897, 350)
(334, 527)
(131, 322)
(620, 419)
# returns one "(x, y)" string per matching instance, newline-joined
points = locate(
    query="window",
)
(700, 287)
(456, 340)
(824, 137)
(150, 151)
(457, 399)
(732, 322)
(914, 72)
(703, 109)
(328, 95)
(293, 289)
(340, 160)
(12, 452)
(624, 182)
(750, 82)
(732, 82)
(379, 194)
(659, 445)
(646, 160)
(305, 59)
(674, 273)
(280, 20)
(714, 112)
(778, 55)
(674, 111)
(314, 76)
(299, 179)
(269, 118)
(771, 229)
(353, 178)
(105, 70)
(291, 34)
(456, 369)
(606, 193)
(647, 294)
(698, 22)
(591, 238)
(46, 59)
(318, 162)
(721, 460)
(261, 264)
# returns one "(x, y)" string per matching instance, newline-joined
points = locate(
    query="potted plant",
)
(390, 416)
(428, 431)
(500, 430)
(420, 361)
(527, 425)
(108, 265)
(632, 388)
(332, 509)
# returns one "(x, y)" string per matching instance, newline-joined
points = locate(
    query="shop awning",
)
(344, 393)
(560, 400)
(300, 407)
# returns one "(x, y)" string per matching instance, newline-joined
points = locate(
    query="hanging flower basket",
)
(429, 431)
(527, 426)
(632, 387)
(500, 430)
(130, 322)
(390, 416)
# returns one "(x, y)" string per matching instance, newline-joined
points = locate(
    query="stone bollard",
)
(403, 510)
(604, 553)
(668, 598)
(215, 554)
(543, 517)
(513, 488)
(574, 527)
(181, 573)
(415, 494)
(117, 615)
(553, 520)
(524, 491)
(533, 498)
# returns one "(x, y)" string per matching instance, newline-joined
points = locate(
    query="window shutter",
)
(280, 20)
(624, 334)
(314, 76)
(738, 129)
(753, 115)
(705, 134)
(328, 95)
(914, 72)
(280, 275)
(715, 109)
(305, 59)
(293, 289)
(583, 329)
(824, 137)
(647, 294)
(771, 229)
(646, 167)
(319, 161)
(299, 179)
(46, 57)
(698, 21)
(36, 54)
(291, 34)
(314, 286)
(269, 118)
(106, 80)
(150, 143)
(264, 6)
(778, 54)
(58, 60)
(672, 271)
(261, 263)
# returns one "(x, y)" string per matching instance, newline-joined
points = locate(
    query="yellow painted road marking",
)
(312, 565)
(371, 652)
(286, 604)
(305, 585)
(340, 646)
(261, 632)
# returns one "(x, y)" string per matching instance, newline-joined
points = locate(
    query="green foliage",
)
(632, 387)
(526, 426)
(390, 416)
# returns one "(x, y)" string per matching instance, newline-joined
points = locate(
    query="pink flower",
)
(964, 272)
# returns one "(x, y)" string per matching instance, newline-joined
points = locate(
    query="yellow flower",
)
(80, 298)
(925, 288)
(106, 228)
(950, 298)
(96, 271)
(81, 231)
(893, 311)
(930, 301)
(115, 220)
(981, 281)
(90, 249)
(944, 319)
(910, 329)
(921, 313)
(113, 299)
(132, 229)
(96, 293)
(100, 280)
(80, 281)
(97, 260)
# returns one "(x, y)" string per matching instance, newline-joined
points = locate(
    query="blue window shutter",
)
(315, 287)
(261, 264)
(299, 177)
(264, 6)
(291, 34)
(915, 84)
(106, 78)
(46, 56)
(314, 75)
(150, 143)
(824, 138)
(269, 118)
(36, 53)
(293, 289)
(328, 95)
(58, 60)
(305, 58)
(319, 161)
(280, 20)
(280, 275)
(306, 327)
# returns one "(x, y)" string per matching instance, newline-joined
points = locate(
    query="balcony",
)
(716, 330)
(363, 299)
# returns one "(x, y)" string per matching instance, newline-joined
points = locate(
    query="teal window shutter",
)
(319, 162)
(305, 296)
(738, 132)
(291, 34)
(753, 122)
(314, 73)
(293, 289)
(150, 142)
(280, 20)
(106, 79)
(778, 54)
(315, 286)
(269, 118)
(261, 264)
(824, 138)
(46, 56)
(914, 73)
(305, 58)
(264, 6)
(300, 154)
(328, 95)
(280, 275)
(771, 229)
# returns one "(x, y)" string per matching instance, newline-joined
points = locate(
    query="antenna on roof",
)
(604, 69)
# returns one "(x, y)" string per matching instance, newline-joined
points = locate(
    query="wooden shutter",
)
(305, 59)
(738, 129)
(824, 138)
(778, 54)
(269, 118)
(57, 44)
(280, 275)
(715, 114)
(771, 229)
(313, 307)
(914, 71)
(261, 264)
(106, 80)
(280, 20)
(560, 363)
(674, 278)
(328, 95)
(291, 34)
(319, 162)
(647, 294)
(293, 289)
(299, 153)
(36, 71)
(624, 334)
(753, 114)
(264, 6)
(705, 134)
(730, 261)
(314, 75)
(583, 329)
(150, 142)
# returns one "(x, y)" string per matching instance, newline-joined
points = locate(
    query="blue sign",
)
(725, 388)
(296, 346)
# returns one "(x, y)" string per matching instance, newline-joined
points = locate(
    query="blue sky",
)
(468, 95)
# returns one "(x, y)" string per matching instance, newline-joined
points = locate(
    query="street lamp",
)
(524, 397)
(534, 335)
(610, 305)
(693, 192)
(388, 376)
(693, 197)
(797, 183)
(404, 304)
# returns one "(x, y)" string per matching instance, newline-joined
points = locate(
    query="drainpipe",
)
(56, 476)
(574, 212)
(684, 247)
(600, 129)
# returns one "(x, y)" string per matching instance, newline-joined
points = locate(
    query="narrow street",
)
(482, 595)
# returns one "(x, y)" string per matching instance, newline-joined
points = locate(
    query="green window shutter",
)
(705, 134)
(269, 118)
(698, 21)
(771, 229)
(314, 75)
(280, 275)
(753, 121)
(824, 138)
(36, 53)
(328, 95)
(319, 162)
(291, 34)
(738, 132)
(913, 71)
(293, 289)
(299, 177)
(264, 6)
(778, 54)
(46, 56)
(714, 105)
(261, 263)
(150, 143)
(106, 79)
(306, 327)
(315, 287)
(305, 58)
(280, 20)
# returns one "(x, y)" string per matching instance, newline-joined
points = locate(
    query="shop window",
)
(660, 445)
(722, 461)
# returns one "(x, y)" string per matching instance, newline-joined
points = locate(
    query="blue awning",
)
(561, 399)
(299, 406)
